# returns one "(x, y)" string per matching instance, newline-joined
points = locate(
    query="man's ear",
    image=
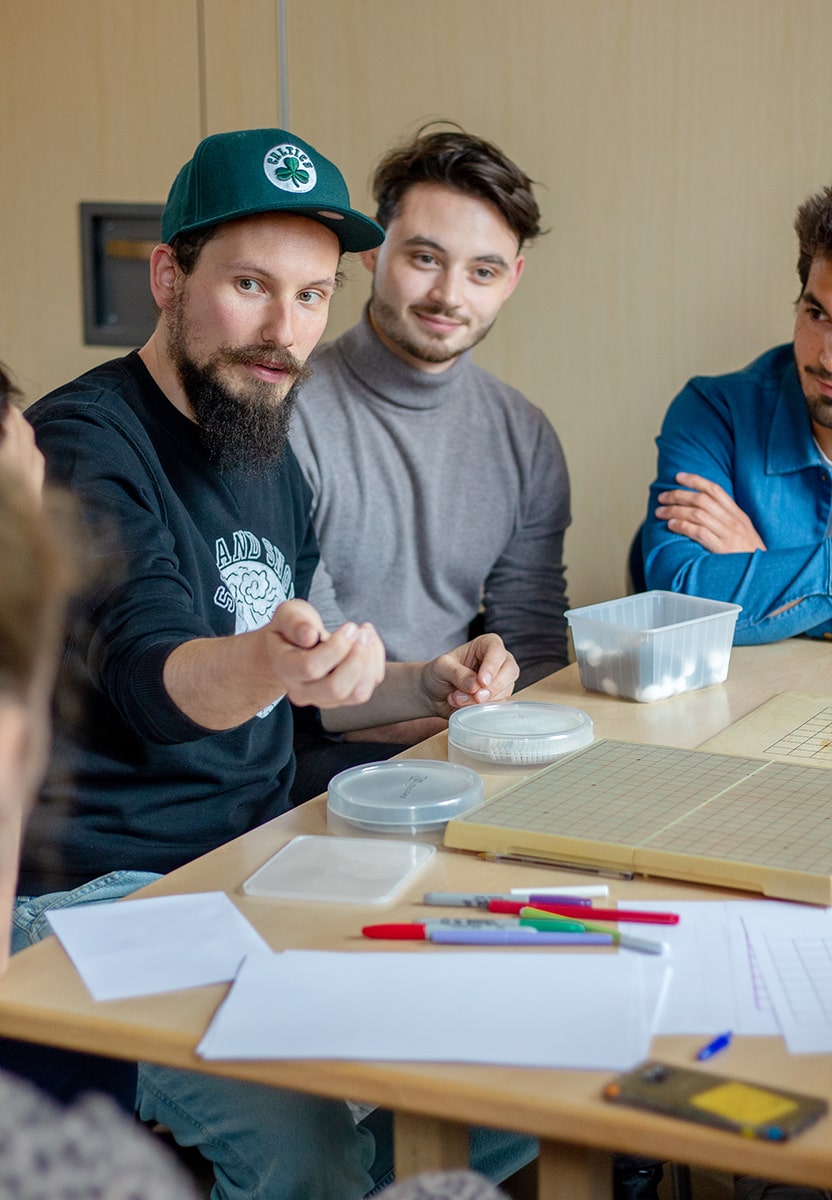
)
(164, 270)
(368, 257)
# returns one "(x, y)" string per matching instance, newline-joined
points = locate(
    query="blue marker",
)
(714, 1047)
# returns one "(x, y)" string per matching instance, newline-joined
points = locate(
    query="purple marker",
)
(481, 899)
(515, 937)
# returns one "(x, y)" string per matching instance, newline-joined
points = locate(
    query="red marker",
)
(506, 933)
(571, 910)
(400, 933)
(420, 931)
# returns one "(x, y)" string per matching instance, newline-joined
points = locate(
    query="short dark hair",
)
(187, 247)
(468, 164)
(813, 225)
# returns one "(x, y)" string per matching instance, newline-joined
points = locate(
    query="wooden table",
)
(42, 998)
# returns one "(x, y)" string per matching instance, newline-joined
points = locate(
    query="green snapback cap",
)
(264, 170)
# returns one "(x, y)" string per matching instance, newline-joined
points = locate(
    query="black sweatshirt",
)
(185, 551)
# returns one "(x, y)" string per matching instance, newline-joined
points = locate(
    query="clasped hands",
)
(347, 666)
(221, 682)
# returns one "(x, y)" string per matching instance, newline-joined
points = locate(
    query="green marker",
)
(561, 925)
(546, 922)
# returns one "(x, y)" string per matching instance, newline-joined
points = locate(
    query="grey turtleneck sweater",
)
(434, 494)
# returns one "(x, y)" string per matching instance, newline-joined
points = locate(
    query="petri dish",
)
(520, 732)
(403, 797)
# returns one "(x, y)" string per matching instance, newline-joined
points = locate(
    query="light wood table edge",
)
(431, 1118)
(577, 1138)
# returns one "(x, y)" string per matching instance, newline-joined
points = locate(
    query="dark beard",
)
(247, 434)
(820, 406)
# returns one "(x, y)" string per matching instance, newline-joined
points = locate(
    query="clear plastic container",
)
(653, 645)
(358, 871)
(407, 797)
(517, 733)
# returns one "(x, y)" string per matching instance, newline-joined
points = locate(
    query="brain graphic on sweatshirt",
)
(257, 591)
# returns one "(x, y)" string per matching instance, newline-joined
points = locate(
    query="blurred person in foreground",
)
(49, 1152)
(64, 1074)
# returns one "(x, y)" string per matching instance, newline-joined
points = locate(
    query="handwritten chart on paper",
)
(716, 982)
(793, 727)
(686, 814)
(794, 950)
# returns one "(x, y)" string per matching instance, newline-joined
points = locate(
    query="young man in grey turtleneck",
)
(438, 491)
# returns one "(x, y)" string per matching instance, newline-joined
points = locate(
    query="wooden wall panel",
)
(673, 139)
(105, 100)
(98, 101)
(241, 64)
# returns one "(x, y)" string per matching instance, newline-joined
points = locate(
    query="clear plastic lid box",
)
(653, 645)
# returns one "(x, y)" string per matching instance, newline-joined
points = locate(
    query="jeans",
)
(265, 1143)
(30, 919)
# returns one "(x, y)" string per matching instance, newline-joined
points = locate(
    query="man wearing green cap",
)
(198, 634)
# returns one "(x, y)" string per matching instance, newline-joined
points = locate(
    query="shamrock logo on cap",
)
(290, 169)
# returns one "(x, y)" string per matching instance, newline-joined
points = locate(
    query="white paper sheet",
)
(139, 947)
(717, 981)
(794, 950)
(526, 1008)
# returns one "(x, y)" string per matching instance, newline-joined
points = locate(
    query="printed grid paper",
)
(794, 952)
(810, 742)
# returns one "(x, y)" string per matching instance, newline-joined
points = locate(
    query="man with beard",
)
(741, 507)
(196, 633)
(440, 493)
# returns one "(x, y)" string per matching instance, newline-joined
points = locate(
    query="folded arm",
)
(704, 512)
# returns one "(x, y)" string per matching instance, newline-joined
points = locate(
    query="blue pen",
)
(714, 1047)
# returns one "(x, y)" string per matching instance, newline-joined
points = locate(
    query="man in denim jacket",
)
(740, 510)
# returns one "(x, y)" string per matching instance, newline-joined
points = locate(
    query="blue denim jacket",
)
(750, 432)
